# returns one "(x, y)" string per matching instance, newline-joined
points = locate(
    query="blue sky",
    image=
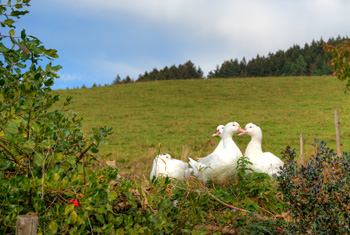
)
(96, 40)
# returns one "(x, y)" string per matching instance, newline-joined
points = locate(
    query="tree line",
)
(184, 71)
(310, 60)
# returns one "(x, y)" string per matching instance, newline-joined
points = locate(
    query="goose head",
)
(231, 128)
(251, 130)
(219, 131)
(164, 157)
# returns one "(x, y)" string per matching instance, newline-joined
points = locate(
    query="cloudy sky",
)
(96, 40)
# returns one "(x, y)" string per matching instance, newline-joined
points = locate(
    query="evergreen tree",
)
(299, 67)
(117, 80)
(199, 73)
(128, 79)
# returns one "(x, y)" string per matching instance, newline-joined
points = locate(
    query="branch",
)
(225, 230)
(12, 155)
(188, 190)
(83, 153)
(25, 50)
(231, 206)
(79, 158)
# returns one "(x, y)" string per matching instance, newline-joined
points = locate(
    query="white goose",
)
(218, 132)
(165, 165)
(264, 162)
(221, 164)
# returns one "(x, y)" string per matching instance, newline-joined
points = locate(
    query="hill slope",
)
(182, 115)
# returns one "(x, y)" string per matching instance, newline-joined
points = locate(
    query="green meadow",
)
(183, 114)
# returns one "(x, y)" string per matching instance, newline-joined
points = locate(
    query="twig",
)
(28, 125)
(89, 223)
(79, 158)
(83, 153)
(225, 230)
(25, 50)
(188, 190)
(49, 206)
(269, 212)
(20, 150)
(233, 207)
(43, 179)
(223, 203)
(345, 207)
(301, 149)
(84, 169)
(12, 155)
(337, 132)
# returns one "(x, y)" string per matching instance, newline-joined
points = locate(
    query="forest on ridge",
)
(310, 60)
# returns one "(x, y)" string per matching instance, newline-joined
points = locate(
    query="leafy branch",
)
(12, 155)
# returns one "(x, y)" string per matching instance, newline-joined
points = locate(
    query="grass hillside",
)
(183, 114)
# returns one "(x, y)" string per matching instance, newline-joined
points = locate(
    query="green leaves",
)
(69, 209)
(73, 216)
(8, 22)
(53, 227)
(39, 160)
(11, 127)
(39, 143)
(317, 191)
(112, 195)
(12, 32)
(51, 53)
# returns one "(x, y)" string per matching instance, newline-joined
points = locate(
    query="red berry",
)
(335, 165)
(305, 189)
(303, 197)
(76, 203)
(71, 200)
(80, 195)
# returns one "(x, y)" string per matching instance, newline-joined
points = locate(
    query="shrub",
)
(318, 192)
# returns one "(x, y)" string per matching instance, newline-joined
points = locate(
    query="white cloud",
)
(253, 23)
(65, 77)
(207, 32)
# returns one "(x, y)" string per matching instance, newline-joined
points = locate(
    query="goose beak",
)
(241, 131)
(217, 132)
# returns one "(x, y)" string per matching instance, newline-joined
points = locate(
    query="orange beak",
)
(241, 131)
(217, 132)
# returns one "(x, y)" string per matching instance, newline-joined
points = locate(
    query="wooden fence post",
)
(337, 132)
(27, 225)
(301, 149)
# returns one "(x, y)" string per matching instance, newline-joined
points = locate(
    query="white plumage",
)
(165, 165)
(221, 164)
(220, 146)
(264, 162)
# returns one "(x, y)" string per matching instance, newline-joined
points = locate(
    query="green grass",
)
(182, 115)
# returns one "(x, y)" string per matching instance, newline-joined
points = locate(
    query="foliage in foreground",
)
(340, 60)
(49, 167)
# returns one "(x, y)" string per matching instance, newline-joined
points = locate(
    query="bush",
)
(318, 192)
